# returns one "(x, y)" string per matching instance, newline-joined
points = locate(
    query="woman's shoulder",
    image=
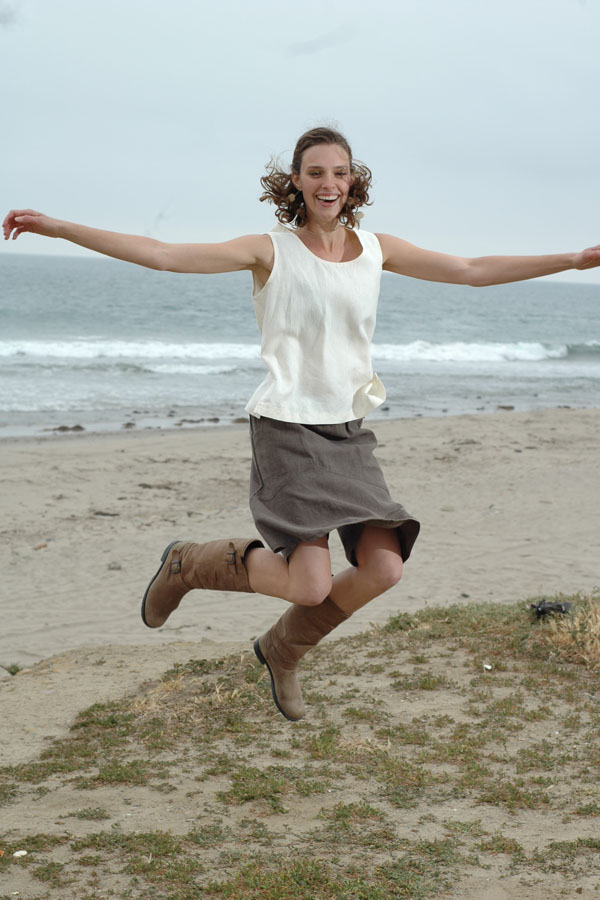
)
(282, 230)
(370, 242)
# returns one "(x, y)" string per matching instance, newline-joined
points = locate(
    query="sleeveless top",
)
(317, 319)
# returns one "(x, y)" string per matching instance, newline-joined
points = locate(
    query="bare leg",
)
(379, 568)
(305, 579)
(300, 628)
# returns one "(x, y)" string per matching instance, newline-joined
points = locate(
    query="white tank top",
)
(317, 319)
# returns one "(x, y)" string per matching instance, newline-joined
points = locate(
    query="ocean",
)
(104, 345)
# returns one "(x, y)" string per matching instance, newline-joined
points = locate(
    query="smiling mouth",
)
(329, 199)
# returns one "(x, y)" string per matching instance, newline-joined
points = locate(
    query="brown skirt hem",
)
(408, 531)
(309, 480)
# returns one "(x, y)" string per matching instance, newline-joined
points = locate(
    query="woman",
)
(316, 284)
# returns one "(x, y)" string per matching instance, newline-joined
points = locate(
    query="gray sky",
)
(479, 119)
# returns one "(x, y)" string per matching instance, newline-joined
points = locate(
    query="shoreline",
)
(165, 424)
(507, 503)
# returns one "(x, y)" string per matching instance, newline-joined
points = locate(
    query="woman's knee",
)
(309, 578)
(383, 570)
(309, 593)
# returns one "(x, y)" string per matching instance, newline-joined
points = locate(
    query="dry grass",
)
(444, 752)
(576, 637)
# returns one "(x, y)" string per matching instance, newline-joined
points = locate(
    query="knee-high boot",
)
(217, 566)
(285, 643)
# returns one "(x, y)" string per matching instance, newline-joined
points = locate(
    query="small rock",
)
(188, 422)
(41, 546)
(128, 425)
(114, 567)
(487, 667)
(505, 406)
(19, 853)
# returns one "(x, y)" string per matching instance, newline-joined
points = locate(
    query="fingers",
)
(7, 225)
(17, 221)
(10, 223)
(12, 227)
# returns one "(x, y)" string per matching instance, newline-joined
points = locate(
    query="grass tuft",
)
(576, 637)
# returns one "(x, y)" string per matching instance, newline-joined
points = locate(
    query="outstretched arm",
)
(250, 252)
(406, 259)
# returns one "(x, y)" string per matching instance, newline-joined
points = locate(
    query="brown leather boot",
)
(285, 643)
(217, 566)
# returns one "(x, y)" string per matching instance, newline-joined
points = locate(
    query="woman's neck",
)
(319, 228)
(328, 235)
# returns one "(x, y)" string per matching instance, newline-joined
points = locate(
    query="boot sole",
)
(262, 660)
(158, 571)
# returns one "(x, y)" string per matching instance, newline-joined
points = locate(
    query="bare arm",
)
(250, 252)
(406, 259)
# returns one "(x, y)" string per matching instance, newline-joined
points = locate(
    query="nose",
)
(329, 181)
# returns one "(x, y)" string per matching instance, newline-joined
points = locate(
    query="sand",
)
(508, 504)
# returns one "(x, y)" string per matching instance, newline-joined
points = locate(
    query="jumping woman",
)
(316, 288)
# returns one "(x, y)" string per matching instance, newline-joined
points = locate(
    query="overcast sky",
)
(479, 120)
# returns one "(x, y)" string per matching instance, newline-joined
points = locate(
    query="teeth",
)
(327, 197)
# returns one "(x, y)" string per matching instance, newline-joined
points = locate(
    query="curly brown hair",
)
(279, 188)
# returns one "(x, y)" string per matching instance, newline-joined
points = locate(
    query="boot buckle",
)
(231, 558)
(176, 567)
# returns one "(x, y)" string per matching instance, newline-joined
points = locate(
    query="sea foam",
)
(420, 350)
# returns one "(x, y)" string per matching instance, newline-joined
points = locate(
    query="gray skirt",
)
(307, 480)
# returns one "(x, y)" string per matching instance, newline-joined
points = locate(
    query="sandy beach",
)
(508, 504)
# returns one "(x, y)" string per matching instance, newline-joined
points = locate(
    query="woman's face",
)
(325, 181)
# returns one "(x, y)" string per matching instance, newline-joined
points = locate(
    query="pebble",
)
(41, 546)
(18, 853)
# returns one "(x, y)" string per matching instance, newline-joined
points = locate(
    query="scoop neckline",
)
(332, 262)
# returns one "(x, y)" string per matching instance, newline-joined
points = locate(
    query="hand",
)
(23, 220)
(587, 259)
